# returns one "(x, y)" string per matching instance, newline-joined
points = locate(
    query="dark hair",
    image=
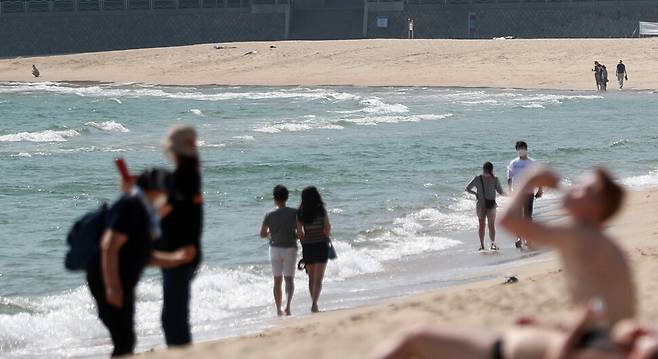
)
(280, 193)
(187, 162)
(611, 193)
(488, 167)
(311, 206)
(154, 179)
(521, 144)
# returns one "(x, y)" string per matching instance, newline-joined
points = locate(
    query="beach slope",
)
(486, 307)
(532, 64)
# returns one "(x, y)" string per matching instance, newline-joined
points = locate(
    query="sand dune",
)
(533, 64)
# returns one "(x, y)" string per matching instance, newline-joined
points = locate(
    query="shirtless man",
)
(594, 265)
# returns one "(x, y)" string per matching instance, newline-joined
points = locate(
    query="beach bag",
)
(331, 254)
(84, 238)
(488, 203)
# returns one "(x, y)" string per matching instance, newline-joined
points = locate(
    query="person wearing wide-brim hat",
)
(181, 228)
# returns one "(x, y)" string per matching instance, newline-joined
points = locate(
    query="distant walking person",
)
(515, 171)
(597, 75)
(280, 225)
(132, 224)
(621, 74)
(604, 78)
(314, 230)
(487, 185)
(410, 28)
(35, 71)
(181, 228)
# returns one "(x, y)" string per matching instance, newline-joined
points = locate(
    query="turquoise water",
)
(391, 164)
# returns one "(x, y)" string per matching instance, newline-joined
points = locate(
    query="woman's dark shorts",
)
(315, 252)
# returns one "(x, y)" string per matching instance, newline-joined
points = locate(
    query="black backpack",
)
(84, 238)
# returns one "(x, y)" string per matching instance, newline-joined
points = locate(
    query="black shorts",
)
(315, 252)
(527, 208)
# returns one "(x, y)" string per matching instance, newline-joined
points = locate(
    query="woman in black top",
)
(181, 228)
(313, 230)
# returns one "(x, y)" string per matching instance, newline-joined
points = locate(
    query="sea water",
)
(391, 164)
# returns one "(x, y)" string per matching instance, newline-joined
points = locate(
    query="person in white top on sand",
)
(515, 170)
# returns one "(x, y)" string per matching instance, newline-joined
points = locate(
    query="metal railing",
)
(44, 6)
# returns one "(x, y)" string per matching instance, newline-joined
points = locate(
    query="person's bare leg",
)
(310, 271)
(482, 224)
(290, 290)
(441, 344)
(491, 221)
(317, 285)
(277, 294)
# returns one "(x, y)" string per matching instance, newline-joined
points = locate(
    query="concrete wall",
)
(56, 33)
(526, 20)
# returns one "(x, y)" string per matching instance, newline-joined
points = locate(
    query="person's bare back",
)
(594, 265)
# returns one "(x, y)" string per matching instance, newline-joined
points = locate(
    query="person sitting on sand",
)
(586, 338)
(314, 231)
(280, 225)
(487, 185)
(35, 71)
(594, 265)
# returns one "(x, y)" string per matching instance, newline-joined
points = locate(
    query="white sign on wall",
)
(382, 22)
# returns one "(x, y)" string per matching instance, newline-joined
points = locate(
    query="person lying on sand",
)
(594, 265)
(529, 339)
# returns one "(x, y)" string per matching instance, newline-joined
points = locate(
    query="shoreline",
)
(533, 64)
(485, 305)
(223, 86)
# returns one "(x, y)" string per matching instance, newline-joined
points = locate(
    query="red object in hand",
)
(123, 169)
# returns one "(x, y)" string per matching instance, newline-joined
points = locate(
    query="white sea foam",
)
(189, 93)
(642, 181)
(197, 112)
(376, 105)
(203, 143)
(244, 138)
(108, 126)
(40, 136)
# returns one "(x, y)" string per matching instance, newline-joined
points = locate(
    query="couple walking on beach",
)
(487, 185)
(156, 222)
(284, 226)
(598, 277)
(601, 75)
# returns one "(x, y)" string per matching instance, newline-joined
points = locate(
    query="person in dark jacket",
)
(133, 223)
(181, 228)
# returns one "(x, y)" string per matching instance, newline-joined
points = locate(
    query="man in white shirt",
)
(515, 172)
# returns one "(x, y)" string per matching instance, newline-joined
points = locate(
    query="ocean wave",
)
(108, 126)
(641, 181)
(40, 136)
(521, 99)
(197, 112)
(173, 93)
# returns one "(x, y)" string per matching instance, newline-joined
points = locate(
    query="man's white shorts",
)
(284, 261)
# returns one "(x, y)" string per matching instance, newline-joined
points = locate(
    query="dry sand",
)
(533, 64)
(485, 307)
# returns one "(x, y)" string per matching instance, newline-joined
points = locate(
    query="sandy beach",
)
(488, 306)
(533, 64)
